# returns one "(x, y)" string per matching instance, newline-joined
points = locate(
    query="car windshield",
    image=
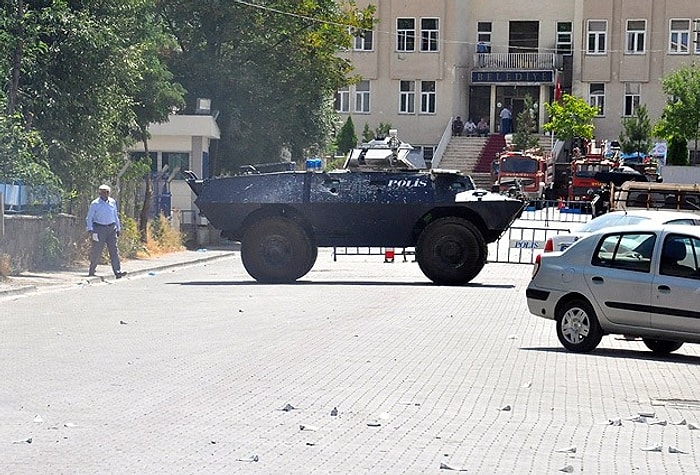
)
(609, 220)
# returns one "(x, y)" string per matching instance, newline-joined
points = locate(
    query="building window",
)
(632, 98)
(342, 100)
(405, 34)
(179, 161)
(565, 40)
(483, 32)
(138, 156)
(596, 97)
(696, 35)
(427, 97)
(407, 97)
(364, 41)
(597, 36)
(636, 33)
(429, 34)
(362, 97)
(679, 35)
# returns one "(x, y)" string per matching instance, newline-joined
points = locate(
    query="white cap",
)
(104, 187)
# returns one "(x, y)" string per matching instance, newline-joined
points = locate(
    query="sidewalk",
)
(77, 275)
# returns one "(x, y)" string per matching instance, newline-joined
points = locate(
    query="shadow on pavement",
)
(628, 354)
(344, 282)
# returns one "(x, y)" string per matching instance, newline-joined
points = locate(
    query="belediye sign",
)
(513, 76)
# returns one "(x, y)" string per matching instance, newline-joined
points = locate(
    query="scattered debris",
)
(288, 407)
(649, 414)
(692, 426)
(653, 448)
(334, 411)
(444, 466)
(305, 427)
(374, 424)
(512, 337)
(675, 450)
(69, 425)
(682, 422)
(567, 450)
(613, 422)
(28, 440)
(568, 468)
(658, 422)
(122, 322)
(639, 419)
(505, 408)
(252, 458)
(527, 385)
(310, 444)
(38, 419)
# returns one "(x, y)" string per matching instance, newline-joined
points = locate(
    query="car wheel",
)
(451, 251)
(662, 347)
(277, 250)
(577, 326)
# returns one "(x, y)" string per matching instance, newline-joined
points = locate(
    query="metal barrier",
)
(558, 211)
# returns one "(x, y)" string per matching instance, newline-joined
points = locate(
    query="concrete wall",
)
(680, 174)
(40, 242)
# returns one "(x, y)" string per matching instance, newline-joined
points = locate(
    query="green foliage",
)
(636, 132)
(84, 75)
(681, 115)
(572, 117)
(129, 242)
(382, 129)
(346, 140)
(677, 152)
(23, 154)
(269, 70)
(367, 133)
(53, 253)
(526, 127)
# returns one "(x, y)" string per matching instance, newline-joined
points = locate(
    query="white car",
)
(620, 218)
(641, 280)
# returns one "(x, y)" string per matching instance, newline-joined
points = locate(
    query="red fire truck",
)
(583, 170)
(524, 172)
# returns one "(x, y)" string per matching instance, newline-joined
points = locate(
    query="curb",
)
(99, 279)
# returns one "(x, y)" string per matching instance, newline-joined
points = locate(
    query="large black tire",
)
(451, 251)
(662, 347)
(277, 250)
(577, 326)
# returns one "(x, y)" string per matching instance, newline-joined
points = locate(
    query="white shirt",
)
(103, 212)
(505, 113)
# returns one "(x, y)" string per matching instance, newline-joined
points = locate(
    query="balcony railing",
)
(514, 61)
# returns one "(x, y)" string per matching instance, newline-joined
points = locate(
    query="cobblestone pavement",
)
(189, 370)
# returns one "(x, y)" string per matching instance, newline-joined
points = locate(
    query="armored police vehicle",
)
(379, 199)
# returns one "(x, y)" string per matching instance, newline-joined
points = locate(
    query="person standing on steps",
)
(104, 227)
(506, 121)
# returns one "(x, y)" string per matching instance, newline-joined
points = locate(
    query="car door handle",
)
(598, 280)
(664, 289)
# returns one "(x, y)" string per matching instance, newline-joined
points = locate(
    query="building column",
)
(492, 109)
(540, 107)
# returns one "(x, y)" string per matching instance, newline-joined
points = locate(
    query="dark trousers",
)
(106, 234)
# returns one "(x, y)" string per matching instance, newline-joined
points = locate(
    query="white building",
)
(430, 60)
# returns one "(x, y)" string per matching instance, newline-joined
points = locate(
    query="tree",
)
(677, 152)
(346, 139)
(524, 137)
(76, 72)
(572, 117)
(680, 119)
(269, 70)
(636, 132)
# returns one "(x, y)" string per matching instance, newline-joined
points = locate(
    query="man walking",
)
(104, 228)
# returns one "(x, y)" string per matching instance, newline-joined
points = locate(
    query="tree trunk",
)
(148, 196)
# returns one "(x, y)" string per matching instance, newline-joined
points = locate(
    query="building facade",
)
(428, 61)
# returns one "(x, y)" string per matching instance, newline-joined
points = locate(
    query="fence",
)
(520, 244)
